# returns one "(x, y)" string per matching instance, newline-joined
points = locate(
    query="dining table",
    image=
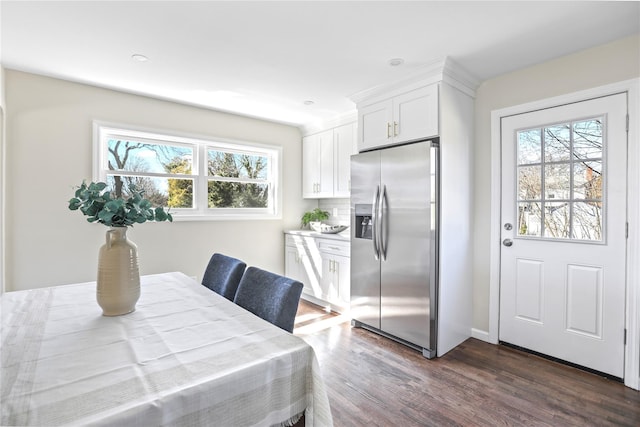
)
(185, 357)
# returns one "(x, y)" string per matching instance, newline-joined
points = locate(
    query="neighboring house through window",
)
(196, 178)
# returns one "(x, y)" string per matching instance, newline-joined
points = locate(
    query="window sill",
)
(224, 217)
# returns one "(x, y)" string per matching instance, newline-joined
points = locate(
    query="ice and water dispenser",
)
(363, 222)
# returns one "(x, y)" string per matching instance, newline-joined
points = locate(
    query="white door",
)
(562, 277)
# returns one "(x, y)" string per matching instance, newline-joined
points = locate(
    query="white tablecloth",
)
(185, 357)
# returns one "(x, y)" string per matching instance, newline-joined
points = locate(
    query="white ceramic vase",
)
(118, 274)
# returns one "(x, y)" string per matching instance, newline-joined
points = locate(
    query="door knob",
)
(507, 242)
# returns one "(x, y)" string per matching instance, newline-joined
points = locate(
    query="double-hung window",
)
(196, 178)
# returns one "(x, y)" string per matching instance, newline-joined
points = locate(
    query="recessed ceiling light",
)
(138, 57)
(308, 102)
(396, 62)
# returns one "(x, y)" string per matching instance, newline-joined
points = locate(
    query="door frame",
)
(632, 297)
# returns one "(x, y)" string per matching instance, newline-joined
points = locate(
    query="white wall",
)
(49, 151)
(610, 63)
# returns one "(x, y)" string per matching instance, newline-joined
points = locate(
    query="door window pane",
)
(587, 180)
(529, 183)
(557, 181)
(571, 171)
(529, 146)
(587, 139)
(557, 143)
(587, 221)
(529, 219)
(556, 220)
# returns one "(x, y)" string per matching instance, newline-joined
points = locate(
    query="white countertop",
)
(345, 236)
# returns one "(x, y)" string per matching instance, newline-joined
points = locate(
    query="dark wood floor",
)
(373, 381)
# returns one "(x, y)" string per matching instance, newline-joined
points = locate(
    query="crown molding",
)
(339, 120)
(441, 70)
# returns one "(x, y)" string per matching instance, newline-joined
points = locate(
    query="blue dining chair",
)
(270, 296)
(223, 275)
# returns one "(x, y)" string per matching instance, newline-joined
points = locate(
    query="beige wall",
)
(610, 63)
(49, 151)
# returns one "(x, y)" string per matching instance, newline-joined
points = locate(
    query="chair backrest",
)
(273, 297)
(223, 275)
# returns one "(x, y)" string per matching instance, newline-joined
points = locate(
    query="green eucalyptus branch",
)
(103, 207)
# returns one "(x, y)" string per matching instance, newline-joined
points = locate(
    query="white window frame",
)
(103, 131)
(571, 199)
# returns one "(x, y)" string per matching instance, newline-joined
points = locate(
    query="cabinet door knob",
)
(388, 130)
(395, 128)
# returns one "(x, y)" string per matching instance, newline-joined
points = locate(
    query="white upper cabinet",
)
(373, 125)
(326, 160)
(344, 145)
(317, 165)
(408, 116)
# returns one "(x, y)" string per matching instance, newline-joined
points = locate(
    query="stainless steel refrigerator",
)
(394, 243)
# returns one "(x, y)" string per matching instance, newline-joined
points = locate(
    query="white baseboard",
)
(480, 334)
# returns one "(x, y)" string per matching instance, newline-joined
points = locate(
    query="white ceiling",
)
(264, 59)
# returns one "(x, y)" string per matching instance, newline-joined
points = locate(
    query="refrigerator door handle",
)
(384, 205)
(374, 228)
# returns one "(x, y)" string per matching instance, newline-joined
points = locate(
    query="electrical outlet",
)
(335, 211)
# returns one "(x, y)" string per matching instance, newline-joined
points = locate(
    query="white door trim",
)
(632, 319)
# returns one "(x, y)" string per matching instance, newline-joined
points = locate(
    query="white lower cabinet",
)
(335, 278)
(323, 266)
(294, 266)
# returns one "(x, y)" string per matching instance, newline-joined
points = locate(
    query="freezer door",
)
(406, 245)
(365, 268)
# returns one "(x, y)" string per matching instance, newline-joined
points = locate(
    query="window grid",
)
(547, 203)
